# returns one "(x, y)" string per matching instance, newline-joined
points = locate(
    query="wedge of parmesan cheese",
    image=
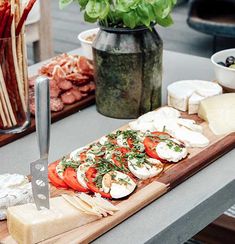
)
(186, 95)
(219, 112)
(28, 225)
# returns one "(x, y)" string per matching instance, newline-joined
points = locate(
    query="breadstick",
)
(4, 90)
(3, 118)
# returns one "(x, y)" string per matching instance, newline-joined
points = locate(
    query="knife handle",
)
(43, 114)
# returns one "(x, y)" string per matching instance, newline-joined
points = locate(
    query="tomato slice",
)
(83, 157)
(120, 160)
(151, 143)
(90, 175)
(53, 176)
(70, 178)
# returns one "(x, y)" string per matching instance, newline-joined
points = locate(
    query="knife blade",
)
(39, 168)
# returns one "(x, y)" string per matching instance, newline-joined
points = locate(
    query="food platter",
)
(148, 190)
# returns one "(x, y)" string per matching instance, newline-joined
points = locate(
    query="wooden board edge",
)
(133, 204)
(201, 160)
(55, 116)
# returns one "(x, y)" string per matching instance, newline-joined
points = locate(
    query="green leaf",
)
(89, 19)
(165, 22)
(129, 19)
(82, 3)
(97, 9)
(64, 3)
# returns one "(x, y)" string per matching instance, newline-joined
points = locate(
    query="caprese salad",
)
(113, 166)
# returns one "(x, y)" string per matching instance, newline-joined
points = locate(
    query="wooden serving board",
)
(55, 116)
(147, 191)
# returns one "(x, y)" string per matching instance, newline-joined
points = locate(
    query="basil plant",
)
(125, 13)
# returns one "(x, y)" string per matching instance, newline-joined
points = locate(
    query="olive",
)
(232, 66)
(229, 61)
(222, 64)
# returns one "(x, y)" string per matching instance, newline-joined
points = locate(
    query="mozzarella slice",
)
(75, 155)
(143, 171)
(186, 95)
(121, 141)
(81, 177)
(142, 126)
(169, 153)
(121, 185)
(166, 125)
(103, 140)
(191, 138)
(60, 170)
(190, 124)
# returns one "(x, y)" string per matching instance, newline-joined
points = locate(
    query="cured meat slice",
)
(58, 73)
(56, 104)
(84, 89)
(77, 78)
(85, 66)
(68, 98)
(54, 91)
(77, 94)
(65, 85)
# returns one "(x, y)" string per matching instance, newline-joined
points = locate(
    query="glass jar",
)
(128, 71)
(14, 92)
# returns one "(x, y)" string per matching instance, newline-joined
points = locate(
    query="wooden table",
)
(176, 216)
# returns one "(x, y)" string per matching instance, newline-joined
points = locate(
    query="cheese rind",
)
(28, 225)
(219, 112)
(186, 95)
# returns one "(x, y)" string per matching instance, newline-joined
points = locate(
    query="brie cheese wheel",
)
(118, 184)
(186, 95)
(12, 180)
(219, 112)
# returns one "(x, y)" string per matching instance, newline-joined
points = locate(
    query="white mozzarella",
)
(75, 155)
(119, 185)
(169, 154)
(144, 171)
(60, 170)
(81, 174)
(148, 117)
(154, 161)
(103, 140)
(191, 138)
(141, 126)
(12, 180)
(121, 141)
(167, 125)
(190, 124)
(187, 94)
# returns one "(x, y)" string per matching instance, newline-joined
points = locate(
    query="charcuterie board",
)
(55, 116)
(148, 190)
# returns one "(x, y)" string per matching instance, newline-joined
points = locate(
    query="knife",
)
(39, 168)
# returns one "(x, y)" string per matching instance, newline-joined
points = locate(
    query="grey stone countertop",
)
(177, 215)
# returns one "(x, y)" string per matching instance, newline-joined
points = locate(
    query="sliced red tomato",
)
(119, 160)
(70, 178)
(53, 176)
(130, 142)
(150, 144)
(90, 175)
(83, 157)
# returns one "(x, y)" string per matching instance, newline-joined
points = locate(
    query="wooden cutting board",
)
(55, 116)
(147, 191)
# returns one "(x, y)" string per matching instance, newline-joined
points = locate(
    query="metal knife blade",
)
(39, 168)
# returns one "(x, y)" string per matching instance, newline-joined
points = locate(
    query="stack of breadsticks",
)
(13, 65)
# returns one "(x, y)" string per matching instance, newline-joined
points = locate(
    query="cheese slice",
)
(186, 95)
(28, 225)
(219, 112)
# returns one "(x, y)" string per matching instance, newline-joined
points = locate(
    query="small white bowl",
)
(224, 75)
(87, 45)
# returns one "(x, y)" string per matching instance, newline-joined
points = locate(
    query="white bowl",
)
(224, 75)
(87, 45)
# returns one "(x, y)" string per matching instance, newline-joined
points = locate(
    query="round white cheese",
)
(187, 94)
